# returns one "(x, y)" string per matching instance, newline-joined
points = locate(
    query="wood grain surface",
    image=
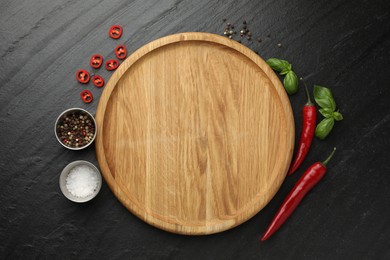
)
(195, 133)
(341, 44)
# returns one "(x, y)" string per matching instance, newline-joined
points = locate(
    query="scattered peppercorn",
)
(229, 31)
(244, 32)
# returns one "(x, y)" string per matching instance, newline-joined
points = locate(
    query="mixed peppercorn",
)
(76, 129)
(244, 32)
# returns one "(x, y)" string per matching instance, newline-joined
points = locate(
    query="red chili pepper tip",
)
(86, 96)
(115, 31)
(98, 81)
(120, 51)
(82, 76)
(112, 64)
(96, 61)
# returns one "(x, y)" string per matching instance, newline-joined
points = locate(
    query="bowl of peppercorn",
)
(75, 128)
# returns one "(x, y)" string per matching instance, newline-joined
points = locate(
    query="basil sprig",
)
(290, 81)
(324, 98)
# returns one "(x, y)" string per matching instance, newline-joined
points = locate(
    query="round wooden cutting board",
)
(195, 133)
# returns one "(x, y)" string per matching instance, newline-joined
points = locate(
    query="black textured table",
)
(344, 45)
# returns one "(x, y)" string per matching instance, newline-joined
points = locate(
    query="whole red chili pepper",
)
(308, 126)
(112, 64)
(120, 51)
(308, 180)
(82, 76)
(96, 61)
(115, 31)
(86, 96)
(98, 81)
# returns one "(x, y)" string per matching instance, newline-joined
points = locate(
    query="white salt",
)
(82, 181)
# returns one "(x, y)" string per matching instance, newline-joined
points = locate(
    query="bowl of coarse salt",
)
(80, 181)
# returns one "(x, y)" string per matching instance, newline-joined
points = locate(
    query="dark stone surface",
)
(341, 44)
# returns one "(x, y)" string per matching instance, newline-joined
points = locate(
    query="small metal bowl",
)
(70, 111)
(64, 174)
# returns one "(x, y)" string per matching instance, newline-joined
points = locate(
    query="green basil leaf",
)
(324, 127)
(337, 116)
(290, 82)
(324, 98)
(284, 72)
(279, 65)
(326, 112)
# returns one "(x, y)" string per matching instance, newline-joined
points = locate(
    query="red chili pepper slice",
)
(308, 127)
(98, 81)
(115, 31)
(308, 180)
(82, 76)
(96, 61)
(112, 64)
(120, 51)
(86, 96)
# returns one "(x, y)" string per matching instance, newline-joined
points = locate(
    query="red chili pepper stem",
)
(324, 163)
(309, 103)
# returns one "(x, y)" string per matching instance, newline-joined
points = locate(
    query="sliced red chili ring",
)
(86, 96)
(112, 64)
(115, 31)
(98, 81)
(120, 51)
(82, 76)
(96, 61)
